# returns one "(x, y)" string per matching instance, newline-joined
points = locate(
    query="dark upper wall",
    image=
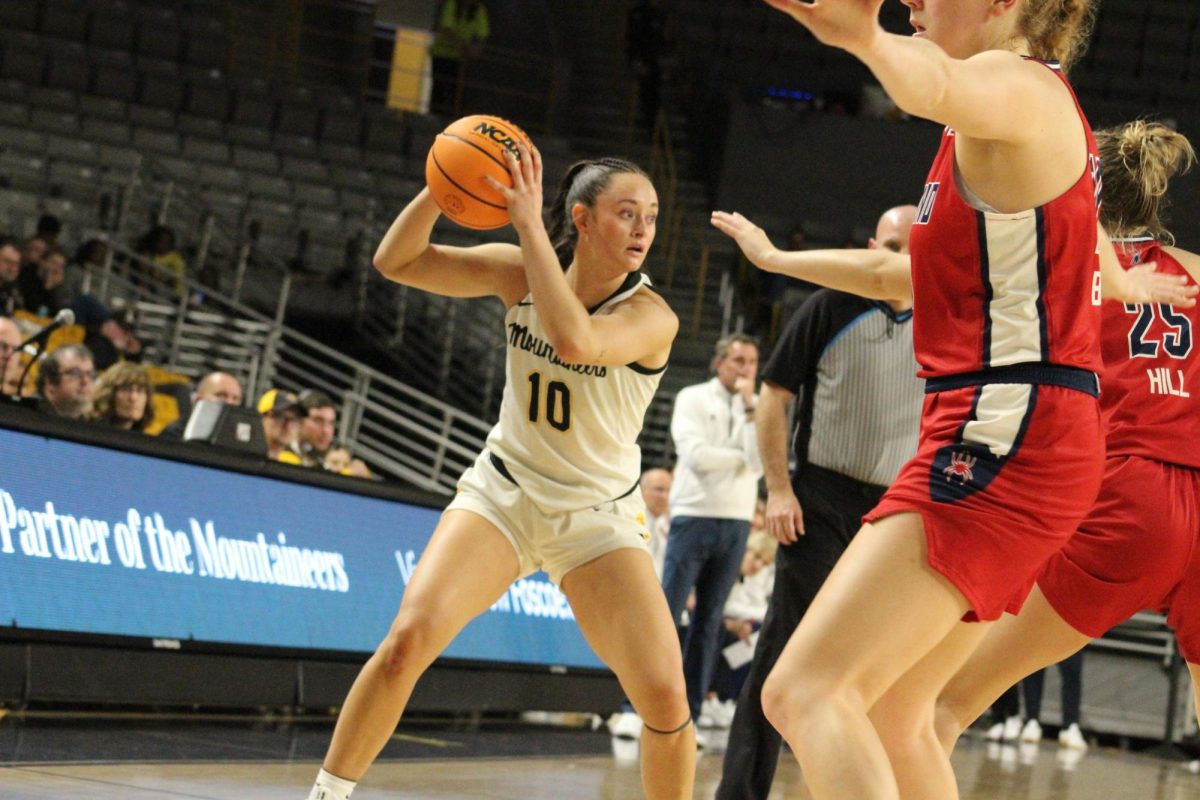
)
(787, 166)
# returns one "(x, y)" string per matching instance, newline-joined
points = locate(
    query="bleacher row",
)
(77, 118)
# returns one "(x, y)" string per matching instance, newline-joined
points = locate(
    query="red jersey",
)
(1151, 371)
(992, 289)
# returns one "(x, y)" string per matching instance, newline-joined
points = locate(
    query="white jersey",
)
(568, 432)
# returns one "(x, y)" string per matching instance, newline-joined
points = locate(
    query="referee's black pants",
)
(833, 507)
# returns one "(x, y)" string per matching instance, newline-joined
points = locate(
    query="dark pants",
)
(833, 508)
(704, 553)
(1071, 671)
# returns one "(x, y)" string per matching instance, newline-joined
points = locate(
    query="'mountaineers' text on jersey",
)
(568, 432)
(993, 289)
(1151, 371)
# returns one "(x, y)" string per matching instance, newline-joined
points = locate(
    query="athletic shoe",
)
(995, 733)
(1012, 729)
(1032, 732)
(1072, 738)
(715, 714)
(625, 725)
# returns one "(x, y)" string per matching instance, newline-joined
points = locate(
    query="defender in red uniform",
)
(1007, 288)
(1139, 547)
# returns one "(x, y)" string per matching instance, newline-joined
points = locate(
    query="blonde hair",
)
(1138, 160)
(764, 544)
(1057, 30)
(122, 373)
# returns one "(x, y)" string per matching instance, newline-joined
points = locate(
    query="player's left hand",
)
(749, 237)
(1147, 285)
(848, 24)
(524, 199)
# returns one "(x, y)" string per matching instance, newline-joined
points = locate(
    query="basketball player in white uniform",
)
(587, 342)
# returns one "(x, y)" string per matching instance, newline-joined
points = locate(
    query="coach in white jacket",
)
(712, 501)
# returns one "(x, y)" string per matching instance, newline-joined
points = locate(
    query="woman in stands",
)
(1139, 547)
(1006, 288)
(122, 399)
(587, 343)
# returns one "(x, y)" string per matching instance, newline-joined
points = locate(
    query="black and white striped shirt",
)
(850, 362)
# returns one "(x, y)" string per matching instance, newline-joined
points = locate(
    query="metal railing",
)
(398, 430)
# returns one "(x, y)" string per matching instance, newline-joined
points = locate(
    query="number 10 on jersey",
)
(557, 402)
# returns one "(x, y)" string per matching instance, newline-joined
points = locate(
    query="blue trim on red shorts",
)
(1081, 380)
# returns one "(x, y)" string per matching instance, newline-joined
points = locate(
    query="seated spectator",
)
(745, 609)
(41, 283)
(67, 382)
(316, 428)
(110, 334)
(86, 266)
(10, 270)
(10, 359)
(281, 414)
(158, 245)
(35, 247)
(123, 397)
(219, 386)
(655, 484)
(341, 460)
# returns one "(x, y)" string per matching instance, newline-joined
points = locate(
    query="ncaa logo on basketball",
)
(499, 136)
(925, 208)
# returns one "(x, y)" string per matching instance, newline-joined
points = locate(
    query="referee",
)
(850, 363)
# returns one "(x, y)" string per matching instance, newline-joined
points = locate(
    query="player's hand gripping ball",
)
(461, 156)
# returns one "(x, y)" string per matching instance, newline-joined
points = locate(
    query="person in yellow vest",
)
(461, 31)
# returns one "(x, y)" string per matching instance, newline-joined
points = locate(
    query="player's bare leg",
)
(880, 612)
(466, 567)
(622, 612)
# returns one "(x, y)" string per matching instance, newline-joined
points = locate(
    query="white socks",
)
(331, 787)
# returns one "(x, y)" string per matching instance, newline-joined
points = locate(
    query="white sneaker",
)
(1032, 732)
(728, 709)
(701, 740)
(1012, 729)
(625, 725)
(995, 733)
(1071, 737)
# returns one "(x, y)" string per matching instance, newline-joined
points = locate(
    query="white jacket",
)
(718, 465)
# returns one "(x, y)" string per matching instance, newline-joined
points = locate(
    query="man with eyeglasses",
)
(67, 382)
(10, 364)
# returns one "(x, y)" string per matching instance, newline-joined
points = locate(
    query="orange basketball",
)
(467, 150)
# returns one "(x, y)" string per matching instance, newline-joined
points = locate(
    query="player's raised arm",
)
(879, 274)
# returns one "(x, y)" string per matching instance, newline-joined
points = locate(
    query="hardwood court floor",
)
(277, 762)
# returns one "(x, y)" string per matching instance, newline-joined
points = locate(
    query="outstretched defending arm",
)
(878, 274)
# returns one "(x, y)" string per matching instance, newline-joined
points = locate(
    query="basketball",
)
(462, 154)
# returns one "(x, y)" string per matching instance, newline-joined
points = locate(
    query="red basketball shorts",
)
(1003, 475)
(1135, 550)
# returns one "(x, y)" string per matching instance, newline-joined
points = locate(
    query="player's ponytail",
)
(1057, 30)
(1138, 161)
(583, 182)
